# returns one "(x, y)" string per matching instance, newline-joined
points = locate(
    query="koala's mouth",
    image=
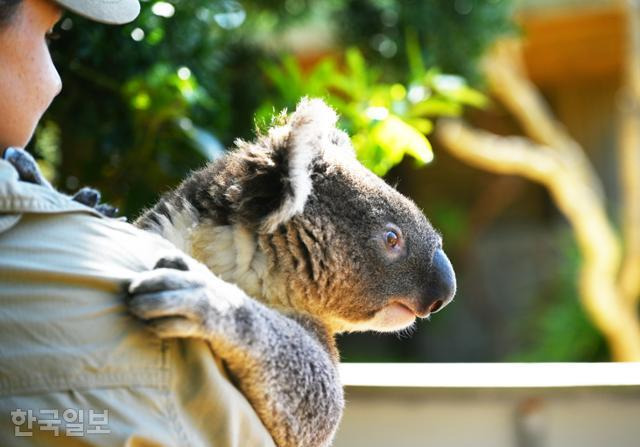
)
(394, 316)
(418, 310)
(403, 307)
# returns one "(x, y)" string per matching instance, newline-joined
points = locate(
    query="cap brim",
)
(113, 12)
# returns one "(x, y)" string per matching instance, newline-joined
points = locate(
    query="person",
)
(73, 362)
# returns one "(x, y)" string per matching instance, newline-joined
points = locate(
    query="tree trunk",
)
(551, 157)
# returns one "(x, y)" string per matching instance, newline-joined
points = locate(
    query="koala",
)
(304, 243)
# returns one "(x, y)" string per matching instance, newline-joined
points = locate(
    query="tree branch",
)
(508, 82)
(584, 210)
(629, 160)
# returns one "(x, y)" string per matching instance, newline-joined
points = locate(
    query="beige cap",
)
(114, 12)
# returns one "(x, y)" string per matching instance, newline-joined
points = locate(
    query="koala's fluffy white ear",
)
(307, 131)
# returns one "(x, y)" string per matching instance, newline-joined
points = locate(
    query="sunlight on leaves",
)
(387, 121)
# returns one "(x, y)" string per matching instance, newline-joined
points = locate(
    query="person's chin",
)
(10, 139)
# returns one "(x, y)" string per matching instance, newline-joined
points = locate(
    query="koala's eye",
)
(393, 241)
(391, 238)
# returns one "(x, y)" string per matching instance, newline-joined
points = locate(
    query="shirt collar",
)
(17, 197)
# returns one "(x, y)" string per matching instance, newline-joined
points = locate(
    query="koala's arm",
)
(282, 368)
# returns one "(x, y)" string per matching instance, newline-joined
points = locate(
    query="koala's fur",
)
(297, 223)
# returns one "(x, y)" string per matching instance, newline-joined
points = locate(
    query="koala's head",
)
(339, 242)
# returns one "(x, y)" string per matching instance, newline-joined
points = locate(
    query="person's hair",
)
(8, 9)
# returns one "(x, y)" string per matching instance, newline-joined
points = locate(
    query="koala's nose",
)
(441, 283)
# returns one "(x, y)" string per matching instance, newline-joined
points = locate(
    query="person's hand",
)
(28, 171)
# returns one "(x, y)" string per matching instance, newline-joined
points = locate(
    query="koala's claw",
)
(87, 196)
(26, 166)
(172, 299)
(107, 210)
(164, 304)
(174, 313)
(91, 197)
(182, 298)
(174, 327)
(164, 279)
(172, 262)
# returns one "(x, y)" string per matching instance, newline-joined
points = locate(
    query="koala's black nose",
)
(441, 284)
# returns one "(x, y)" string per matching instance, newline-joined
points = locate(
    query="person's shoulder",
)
(19, 197)
(41, 219)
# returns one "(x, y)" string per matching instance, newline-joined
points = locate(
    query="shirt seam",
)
(36, 383)
(172, 407)
(17, 205)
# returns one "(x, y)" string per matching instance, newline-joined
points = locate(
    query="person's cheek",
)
(49, 82)
(43, 83)
(14, 98)
(28, 82)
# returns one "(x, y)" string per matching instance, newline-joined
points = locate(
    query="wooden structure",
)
(569, 45)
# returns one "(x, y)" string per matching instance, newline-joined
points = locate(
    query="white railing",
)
(491, 405)
(490, 375)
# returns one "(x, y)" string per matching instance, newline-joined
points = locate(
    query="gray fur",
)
(286, 373)
(298, 225)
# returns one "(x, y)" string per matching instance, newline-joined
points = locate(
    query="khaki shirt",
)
(75, 367)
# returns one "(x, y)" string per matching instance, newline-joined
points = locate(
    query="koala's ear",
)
(279, 181)
(308, 132)
(269, 181)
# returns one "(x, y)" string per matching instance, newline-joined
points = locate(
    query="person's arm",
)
(281, 365)
(282, 368)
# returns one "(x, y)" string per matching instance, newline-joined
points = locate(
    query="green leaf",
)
(397, 138)
(436, 107)
(357, 70)
(456, 89)
(422, 125)
(414, 55)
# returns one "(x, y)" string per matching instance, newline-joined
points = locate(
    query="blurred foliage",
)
(453, 33)
(385, 121)
(145, 103)
(558, 330)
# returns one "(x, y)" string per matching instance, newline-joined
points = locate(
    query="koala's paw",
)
(26, 166)
(91, 197)
(28, 171)
(173, 301)
(172, 262)
(87, 196)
